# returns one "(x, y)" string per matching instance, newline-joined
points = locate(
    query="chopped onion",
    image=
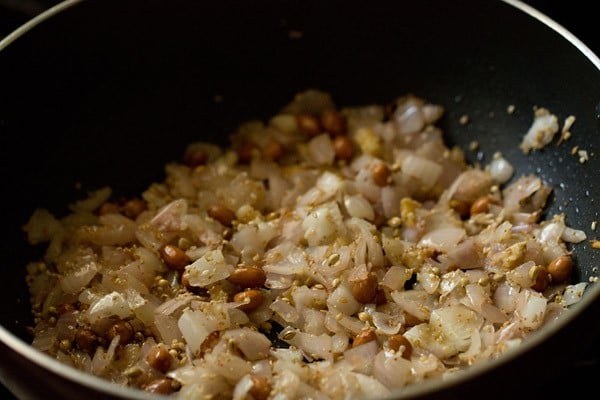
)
(501, 170)
(323, 224)
(444, 239)
(286, 311)
(196, 325)
(541, 132)
(408, 116)
(359, 358)
(531, 307)
(321, 150)
(357, 206)
(169, 218)
(111, 304)
(426, 171)
(573, 294)
(395, 277)
(211, 267)
(313, 346)
(571, 235)
(392, 371)
(342, 300)
(254, 345)
(76, 280)
(303, 230)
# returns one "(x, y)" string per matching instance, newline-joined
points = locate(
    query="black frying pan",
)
(106, 92)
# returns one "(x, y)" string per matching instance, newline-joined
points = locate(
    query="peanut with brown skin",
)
(542, 280)
(333, 122)
(248, 277)
(308, 125)
(245, 152)
(250, 299)
(343, 147)
(210, 342)
(174, 257)
(411, 320)
(86, 339)
(482, 205)
(221, 213)
(273, 151)
(364, 336)
(397, 341)
(123, 329)
(108, 208)
(389, 109)
(160, 386)
(134, 207)
(195, 158)
(560, 268)
(380, 174)
(380, 297)
(65, 308)
(159, 358)
(379, 218)
(365, 290)
(461, 207)
(261, 387)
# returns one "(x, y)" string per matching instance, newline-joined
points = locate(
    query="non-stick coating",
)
(107, 92)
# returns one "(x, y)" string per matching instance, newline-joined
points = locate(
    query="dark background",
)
(577, 16)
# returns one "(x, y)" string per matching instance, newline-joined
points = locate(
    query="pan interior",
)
(89, 101)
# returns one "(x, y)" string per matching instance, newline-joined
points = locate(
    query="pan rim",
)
(413, 391)
(27, 26)
(564, 32)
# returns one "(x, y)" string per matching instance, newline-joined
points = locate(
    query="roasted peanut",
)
(461, 207)
(248, 277)
(250, 299)
(379, 218)
(261, 387)
(398, 342)
(210, 342)
(195, 158)
(108, 208)
(185, 281)
(364, 290)
(380, 297)
(482, 205)
(161, 386)
(245, 152)
(159, 358)
(221, 213)
(65, 308)
(380, 174)
(227, 233)
(364, 336)
(121, 328)
(411, 320)
(541, 278)
(86, 339)
(343, 147)
(560, 268)
(174, 257)
(132, 208)
(333, 122)
(389, 109)
(308, 124)
(273, 150)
